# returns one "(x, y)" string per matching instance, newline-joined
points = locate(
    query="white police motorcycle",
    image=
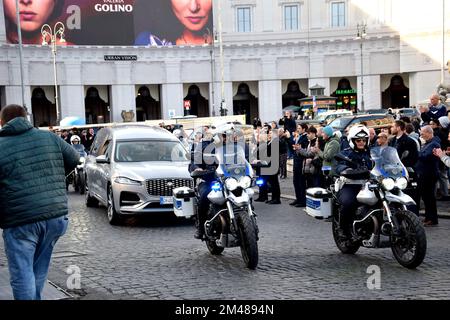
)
(79, 177)
(231, 220)
(382, 219)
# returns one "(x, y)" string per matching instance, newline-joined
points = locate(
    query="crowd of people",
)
(84, 136)
(422, 144)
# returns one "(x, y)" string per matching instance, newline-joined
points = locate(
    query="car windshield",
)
(150, 150)
(387, 163)
(321, 117)
(340, 123)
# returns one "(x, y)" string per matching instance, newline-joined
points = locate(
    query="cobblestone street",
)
(160, 259)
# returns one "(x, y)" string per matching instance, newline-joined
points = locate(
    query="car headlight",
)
(231, 184)
(245, 182)
(388, 184)
(123, 180)
(401, 183)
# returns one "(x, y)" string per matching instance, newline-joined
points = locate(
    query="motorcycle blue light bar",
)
(215, 186)
(259, 182)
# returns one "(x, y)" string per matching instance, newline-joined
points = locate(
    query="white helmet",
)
(74, 137)
(357, 132)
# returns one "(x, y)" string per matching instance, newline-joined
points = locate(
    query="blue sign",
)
(313, 204)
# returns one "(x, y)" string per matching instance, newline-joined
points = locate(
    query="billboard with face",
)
(114, 22)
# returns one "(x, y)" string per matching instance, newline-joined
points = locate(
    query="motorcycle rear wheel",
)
(248, 235)
(410, 248)
(343, 244)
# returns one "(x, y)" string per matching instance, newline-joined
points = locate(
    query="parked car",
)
(376, 111)
(376, 121)
(133, 169)
(326, 118)
(411, 113)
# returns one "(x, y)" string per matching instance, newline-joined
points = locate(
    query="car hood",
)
(152, 170)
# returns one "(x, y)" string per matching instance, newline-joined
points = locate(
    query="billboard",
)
(114, 22)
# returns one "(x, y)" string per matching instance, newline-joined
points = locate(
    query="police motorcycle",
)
(382, 218)
(231, 220)
(76, 177)
(79, 177)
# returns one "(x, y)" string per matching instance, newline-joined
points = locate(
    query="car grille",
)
(164, 187)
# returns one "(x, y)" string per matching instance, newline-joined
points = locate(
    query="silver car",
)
(132, 169)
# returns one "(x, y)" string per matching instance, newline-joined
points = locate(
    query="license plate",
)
(165, 200)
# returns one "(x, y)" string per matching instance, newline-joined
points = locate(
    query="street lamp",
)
(211, 37)
(50, 37)
(360, 35)
(223, 107)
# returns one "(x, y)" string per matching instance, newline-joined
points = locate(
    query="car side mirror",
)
(102, 159)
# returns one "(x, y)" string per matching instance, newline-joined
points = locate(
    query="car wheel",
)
(90, 201)
(113, 217)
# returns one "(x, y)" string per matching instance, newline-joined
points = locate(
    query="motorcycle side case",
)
(318, 203)
(184, 202)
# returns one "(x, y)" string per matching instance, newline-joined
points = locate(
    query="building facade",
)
(273, 52)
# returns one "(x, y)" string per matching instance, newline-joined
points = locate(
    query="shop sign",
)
(345, 91)
(120, 58)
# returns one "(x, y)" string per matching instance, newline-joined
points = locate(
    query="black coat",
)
(290, 125)
(284, 145)
(298, 159)
(405, 143)
(428, 164)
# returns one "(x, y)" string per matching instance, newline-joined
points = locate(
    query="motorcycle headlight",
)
(82, 160)
(388, 184)
(401, 183)
(231, 184)
(123, 180)
(245, 182)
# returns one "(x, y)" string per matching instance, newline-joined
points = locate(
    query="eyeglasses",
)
(360, 140)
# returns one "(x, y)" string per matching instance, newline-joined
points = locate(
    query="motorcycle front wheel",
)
(409, 248)
(248, 235)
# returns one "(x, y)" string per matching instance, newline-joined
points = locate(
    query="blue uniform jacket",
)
(360, 157)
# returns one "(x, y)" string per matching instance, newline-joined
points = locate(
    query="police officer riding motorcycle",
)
(358, 152)
(76, 176)
(223, 180)
(369, 206)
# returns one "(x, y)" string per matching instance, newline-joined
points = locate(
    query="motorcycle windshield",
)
(232, 162)
(80, 149)
(387, 163)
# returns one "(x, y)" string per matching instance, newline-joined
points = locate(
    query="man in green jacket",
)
(331, 149)
(33, 210)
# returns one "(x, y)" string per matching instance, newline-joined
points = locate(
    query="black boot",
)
(261, 199)
(199, 229)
